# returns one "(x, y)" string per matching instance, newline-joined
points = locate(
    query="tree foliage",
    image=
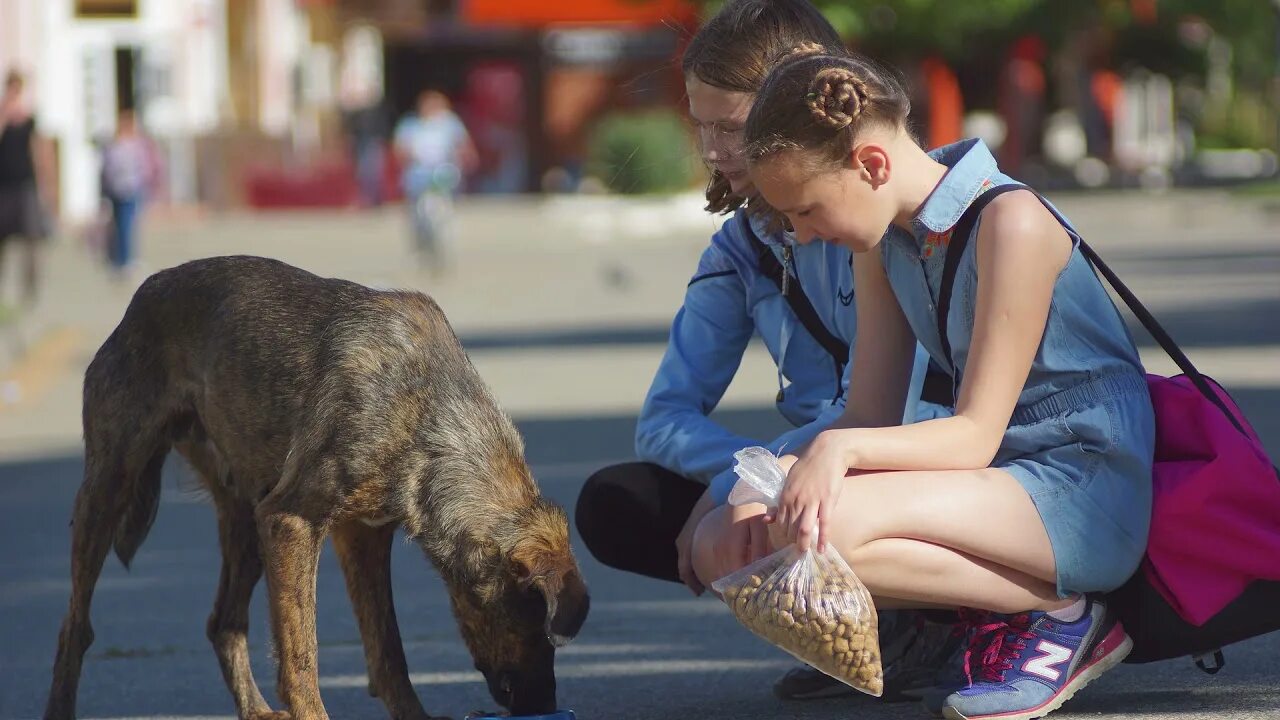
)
(1144, 31)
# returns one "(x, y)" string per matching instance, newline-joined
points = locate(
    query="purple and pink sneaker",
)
(1026, 666)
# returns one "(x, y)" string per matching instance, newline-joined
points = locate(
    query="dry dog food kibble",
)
(824, 616)
(810, 604)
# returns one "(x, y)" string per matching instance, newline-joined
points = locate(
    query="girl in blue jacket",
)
(640, 517)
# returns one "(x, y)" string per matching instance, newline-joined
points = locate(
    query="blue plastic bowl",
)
(557, 715)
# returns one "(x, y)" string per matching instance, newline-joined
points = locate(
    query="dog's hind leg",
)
(228, 625)
(92, 527)
(365, 555)
(115, 505)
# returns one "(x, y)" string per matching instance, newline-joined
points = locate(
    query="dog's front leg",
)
(365, 555)
(290, 550)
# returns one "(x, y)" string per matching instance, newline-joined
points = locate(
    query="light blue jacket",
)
(727, 301)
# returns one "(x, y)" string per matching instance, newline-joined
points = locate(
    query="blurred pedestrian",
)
(365, 126)
(435, 152)
(365, 122)
(1107, 92)
(130, 171)
(1022, 102)
(944, 102)
(364, 117)
(23, 176)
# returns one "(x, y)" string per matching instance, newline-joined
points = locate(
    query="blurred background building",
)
(262, 102)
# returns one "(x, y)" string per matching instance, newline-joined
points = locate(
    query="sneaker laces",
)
(962, 632)
(999, 641)
(969, 619)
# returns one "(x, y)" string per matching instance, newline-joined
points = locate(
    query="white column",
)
(75, 94)
(278, 43)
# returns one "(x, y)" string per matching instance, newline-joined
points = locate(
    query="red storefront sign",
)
(534, 13)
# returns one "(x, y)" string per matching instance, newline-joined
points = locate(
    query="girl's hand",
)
(814, 482)
(777, 534)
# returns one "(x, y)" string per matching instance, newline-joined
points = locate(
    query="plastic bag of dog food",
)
(810, 604)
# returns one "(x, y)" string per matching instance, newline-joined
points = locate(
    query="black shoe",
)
(806, 683)
(898, 630)
(917, 671)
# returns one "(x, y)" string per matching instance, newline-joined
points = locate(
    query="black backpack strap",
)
(960, 238)
(960, 233)
(1154, 328)
(938, 388)
(789, 286)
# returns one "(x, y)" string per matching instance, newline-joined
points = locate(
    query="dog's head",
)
(538, 603)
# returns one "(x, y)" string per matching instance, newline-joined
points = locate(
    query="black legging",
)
(629, 516)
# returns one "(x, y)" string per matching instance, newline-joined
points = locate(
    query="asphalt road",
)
(572, 367)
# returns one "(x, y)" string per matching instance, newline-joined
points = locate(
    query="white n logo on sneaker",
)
(1043, 665)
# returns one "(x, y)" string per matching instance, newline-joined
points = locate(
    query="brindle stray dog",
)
(312, 407)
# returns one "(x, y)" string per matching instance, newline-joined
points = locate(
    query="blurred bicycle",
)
(430, 193)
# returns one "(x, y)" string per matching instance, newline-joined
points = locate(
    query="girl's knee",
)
(705, 538)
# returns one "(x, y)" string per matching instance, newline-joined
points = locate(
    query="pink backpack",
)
(1211, 575)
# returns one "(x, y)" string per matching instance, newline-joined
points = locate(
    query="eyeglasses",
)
(723, 137)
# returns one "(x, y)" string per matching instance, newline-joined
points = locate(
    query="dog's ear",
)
(567, 604)
(556, 577)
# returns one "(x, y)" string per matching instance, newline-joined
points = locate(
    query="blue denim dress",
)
(1082, 436)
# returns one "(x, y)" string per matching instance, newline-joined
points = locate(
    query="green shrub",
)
(1245, 121)
(642, 152)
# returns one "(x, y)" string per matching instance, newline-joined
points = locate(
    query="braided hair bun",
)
(837, 97)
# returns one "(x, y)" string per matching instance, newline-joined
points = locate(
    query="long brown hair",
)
(820, 104)
(735, 50)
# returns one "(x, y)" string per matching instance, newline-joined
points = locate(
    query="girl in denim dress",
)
(1035, 497)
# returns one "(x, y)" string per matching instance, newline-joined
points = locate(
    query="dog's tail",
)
(128, 429)
(139, 508)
